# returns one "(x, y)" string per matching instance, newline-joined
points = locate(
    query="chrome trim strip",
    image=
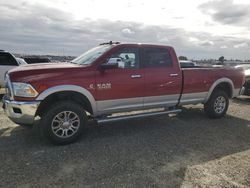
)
(75, 88)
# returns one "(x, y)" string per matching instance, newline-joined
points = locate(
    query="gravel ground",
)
(186, 150)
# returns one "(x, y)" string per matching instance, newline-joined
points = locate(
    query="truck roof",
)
(134, 44)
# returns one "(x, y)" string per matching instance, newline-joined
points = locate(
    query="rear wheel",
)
(64, 122)
(217, 105)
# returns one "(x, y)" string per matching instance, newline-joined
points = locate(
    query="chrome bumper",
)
(20, 112)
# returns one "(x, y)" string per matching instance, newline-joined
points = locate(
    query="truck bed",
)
(198, 81)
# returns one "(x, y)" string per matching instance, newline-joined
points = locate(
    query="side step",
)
(133, 116)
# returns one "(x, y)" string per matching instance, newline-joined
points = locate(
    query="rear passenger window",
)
(156, 57)
(7, 59)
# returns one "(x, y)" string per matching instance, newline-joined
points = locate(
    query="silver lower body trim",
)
(163, 100)
(193, 98)
(21, 112)
(119, 105)
(130, 104)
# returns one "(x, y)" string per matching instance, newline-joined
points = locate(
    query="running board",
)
(148, 114)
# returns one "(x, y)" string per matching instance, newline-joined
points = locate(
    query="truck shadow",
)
(245, 100)
(1, 96)
(150, 151)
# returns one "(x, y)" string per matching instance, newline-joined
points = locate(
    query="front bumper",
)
(20, 112)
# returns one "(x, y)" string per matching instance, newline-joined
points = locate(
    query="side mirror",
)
(106, 66)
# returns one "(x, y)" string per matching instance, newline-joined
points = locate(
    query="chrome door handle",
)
(136, 76)
(174, 74)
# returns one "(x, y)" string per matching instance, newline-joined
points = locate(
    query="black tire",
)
(65, 109)
(215, 109)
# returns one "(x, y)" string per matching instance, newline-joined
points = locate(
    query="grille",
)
(7, 91)
(7, 87)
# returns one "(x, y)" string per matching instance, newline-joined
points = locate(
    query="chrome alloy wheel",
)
(220, 104)
(65, 124)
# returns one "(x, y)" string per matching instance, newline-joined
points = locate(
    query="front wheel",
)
(217, 105)
(64, 122)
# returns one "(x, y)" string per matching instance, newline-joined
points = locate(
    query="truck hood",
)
(43, 66)
(44, 72)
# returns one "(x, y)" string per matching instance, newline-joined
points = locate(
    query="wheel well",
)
(65, 95)
(225, 87)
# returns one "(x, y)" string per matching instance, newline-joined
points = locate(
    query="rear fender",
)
(216, 83)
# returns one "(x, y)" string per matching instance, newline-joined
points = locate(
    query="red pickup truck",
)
(110, 79)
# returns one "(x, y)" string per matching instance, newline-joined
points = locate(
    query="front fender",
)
(74, 88)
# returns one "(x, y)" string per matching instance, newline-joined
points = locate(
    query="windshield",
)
(91, 55)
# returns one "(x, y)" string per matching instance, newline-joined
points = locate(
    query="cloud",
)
(37, 29)
(207, 43)
(127, 32)
(224, 47)
(200, 42)
(227, 12)
(241, 45)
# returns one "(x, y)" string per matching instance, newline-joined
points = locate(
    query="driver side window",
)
(126, 58)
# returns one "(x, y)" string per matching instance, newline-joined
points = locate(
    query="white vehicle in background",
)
(21, 61)
(7, 62)
(246, 86)
(187, 64)
(118, 60)
(243, 66)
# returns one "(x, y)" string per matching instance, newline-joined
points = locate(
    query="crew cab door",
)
(7, 62)
(163, 78)
(121, 88)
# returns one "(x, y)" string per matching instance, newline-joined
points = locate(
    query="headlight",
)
(23, 90)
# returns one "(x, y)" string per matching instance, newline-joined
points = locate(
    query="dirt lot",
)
(187, 150)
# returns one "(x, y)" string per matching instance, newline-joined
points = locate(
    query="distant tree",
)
(222, 59)
(183, 58)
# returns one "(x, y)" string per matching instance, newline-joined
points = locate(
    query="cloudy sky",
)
(196, 28)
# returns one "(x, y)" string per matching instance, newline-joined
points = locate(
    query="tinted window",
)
(7, 59)
(126, 58)
(31, 60)
(156, 57)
